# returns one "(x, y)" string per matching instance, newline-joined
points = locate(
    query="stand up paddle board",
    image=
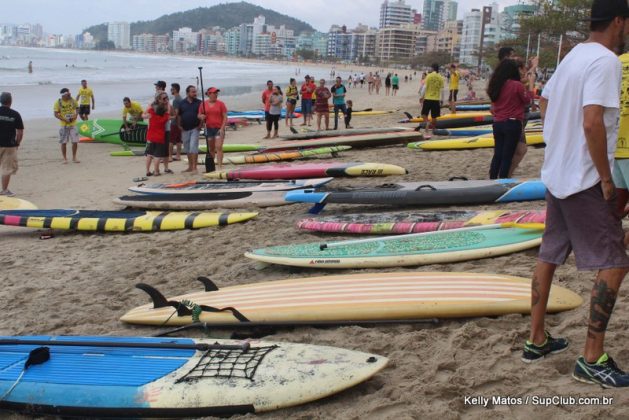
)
(118, 221)
(317, 134)
(409, 250)
(357, 141)
(426, 193)
(227, 148)
(14, 203)
(204, 195)
(403, 223)
(286, 155)
(310, 170)
(136, 377)
(532, 139)
(345, 299)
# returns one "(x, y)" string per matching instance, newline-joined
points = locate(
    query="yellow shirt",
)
(135, 110)
(454, 80)
(622, 148)
(67, 109)
(85, 96)
(434, 84)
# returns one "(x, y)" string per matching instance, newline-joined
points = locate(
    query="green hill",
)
(224, 15)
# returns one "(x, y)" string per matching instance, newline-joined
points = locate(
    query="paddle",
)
(411, 235)
(289, 324)
(76, 343)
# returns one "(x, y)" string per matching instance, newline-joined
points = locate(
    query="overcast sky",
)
(71, 16)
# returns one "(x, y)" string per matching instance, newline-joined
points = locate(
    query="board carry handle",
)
(458, 178)
(245, 346)
(426, 186)
(535, 226)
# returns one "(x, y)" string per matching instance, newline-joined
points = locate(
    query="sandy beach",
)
(78, 283)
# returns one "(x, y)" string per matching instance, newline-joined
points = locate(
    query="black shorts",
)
(395, 87)
(453, 95)
(431, 107)
(84, 110)
(292, 101)
(157, 150)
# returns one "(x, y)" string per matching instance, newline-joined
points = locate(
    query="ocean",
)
(114, 75)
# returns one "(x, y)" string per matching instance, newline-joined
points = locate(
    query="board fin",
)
(159, 301)
(208, 284)
(317, 208)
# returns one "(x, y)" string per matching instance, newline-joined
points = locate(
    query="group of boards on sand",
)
(169, 377)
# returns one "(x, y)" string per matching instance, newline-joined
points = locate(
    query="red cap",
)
(213, 90)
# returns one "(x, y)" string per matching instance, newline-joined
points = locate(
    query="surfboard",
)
(14, 203)
(532, 126)
(227, 148)
(409, 250)
(309, 170)
(109, 131)
(427, 193)
(118, 221)
(281, 156)
(467, 119)
(479, 107)
(403, 223)
(357, 141)
(316, 134)
(375, 296)
(137, 377)
(204, 195)
(469, 143)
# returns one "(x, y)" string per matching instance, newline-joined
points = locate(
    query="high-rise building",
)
(511, 15)
(396, 42)
(433, 14)
(120, 34)
(395, 13)
(471, 34)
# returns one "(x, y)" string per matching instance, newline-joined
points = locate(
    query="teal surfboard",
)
(419, 249)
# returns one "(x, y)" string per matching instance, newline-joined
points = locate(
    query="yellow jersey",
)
(67, 109)
(85, 96)
(434, 84)
(622, 148)
(135, 110)
(454, 80)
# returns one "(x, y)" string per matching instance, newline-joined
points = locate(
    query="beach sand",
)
(79, 283)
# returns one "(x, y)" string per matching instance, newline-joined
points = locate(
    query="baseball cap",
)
(161, 84)
(603, 10)
(213, 90)
(64, 91)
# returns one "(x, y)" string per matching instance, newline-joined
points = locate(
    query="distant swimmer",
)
(30, 66)
(84, 98)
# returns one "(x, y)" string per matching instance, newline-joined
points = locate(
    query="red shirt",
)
(266, 95)
(307, 89)
(511, 102)
(157, 127)
(214, 113)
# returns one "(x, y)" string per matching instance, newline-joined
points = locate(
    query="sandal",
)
(168, 171)
(149, 174)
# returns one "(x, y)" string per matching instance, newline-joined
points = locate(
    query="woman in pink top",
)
(509, 94)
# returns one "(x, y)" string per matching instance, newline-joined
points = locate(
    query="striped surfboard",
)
(367, 296)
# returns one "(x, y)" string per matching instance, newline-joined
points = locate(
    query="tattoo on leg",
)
(601, 307)
(535, 291)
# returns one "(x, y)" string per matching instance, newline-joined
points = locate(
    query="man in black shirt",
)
(11, 132)
(188, 122)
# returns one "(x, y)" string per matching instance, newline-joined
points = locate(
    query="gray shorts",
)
(589, 225)
(190, 139)
(68, 134)
(621, 174)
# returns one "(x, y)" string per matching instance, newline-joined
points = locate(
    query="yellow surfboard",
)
(13, 203)
(360, 297)
(469, 143)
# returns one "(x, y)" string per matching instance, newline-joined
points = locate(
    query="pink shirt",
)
(511, 102)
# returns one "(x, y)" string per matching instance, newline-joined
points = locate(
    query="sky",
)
(72, 16)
